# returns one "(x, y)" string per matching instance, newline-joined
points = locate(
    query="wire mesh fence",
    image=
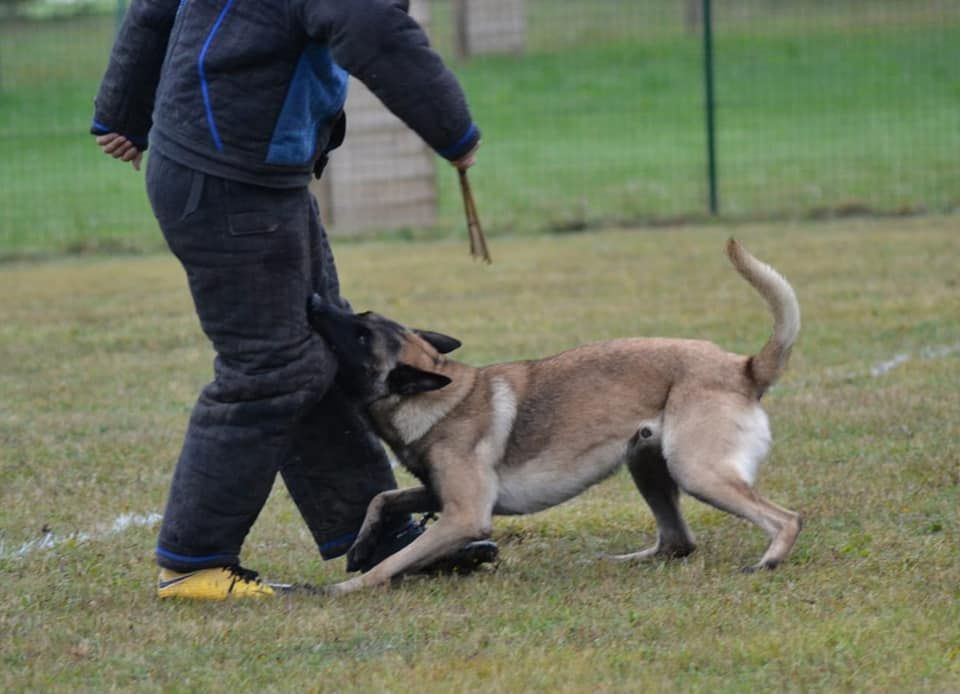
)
(597, 117)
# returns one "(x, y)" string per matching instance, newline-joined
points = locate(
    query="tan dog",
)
(524, 436)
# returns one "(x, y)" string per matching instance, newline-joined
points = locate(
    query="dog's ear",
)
(440, 342)
(409, 380)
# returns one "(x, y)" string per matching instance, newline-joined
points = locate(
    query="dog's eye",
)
(363, 335)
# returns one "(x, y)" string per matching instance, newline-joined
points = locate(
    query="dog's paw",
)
(768, 565)
(658, 551)
(360, 553)
(642, 555)
(342, 588)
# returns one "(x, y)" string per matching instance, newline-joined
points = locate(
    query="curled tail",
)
(766, 366)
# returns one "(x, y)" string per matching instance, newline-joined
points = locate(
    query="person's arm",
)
(124, 102)
(378, 42)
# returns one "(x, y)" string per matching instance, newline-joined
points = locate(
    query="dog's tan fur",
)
(520, 437)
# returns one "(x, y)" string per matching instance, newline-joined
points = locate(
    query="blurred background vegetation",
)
(824, 109)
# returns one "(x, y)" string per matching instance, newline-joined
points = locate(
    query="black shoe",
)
(462, 561)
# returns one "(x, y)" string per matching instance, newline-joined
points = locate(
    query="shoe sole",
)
(464, 561)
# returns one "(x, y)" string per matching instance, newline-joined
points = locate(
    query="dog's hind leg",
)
(713, 450)
(739, 498)
(649, 471)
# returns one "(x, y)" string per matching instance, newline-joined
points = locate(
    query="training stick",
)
(478, 244)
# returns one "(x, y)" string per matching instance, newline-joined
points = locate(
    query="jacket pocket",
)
(252, 223)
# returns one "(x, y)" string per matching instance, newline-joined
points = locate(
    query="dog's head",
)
(378, 357)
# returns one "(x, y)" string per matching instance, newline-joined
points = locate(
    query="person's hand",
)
(467, 160)
(119, 147)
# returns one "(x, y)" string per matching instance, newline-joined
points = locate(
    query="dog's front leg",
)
(440, 539)
(394, 501)
(467, 492)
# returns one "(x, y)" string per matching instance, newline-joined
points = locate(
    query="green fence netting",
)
(822, 108)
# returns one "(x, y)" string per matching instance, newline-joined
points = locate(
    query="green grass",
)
(823, 109)
(102, 359)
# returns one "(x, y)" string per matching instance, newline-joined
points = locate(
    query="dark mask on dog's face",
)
(378, 357)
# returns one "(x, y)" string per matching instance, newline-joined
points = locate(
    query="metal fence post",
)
(710, 106)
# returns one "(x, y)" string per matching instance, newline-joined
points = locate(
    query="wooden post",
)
(483, 27)
(384, 175)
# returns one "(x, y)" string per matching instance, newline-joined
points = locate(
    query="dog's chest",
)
(411, 420)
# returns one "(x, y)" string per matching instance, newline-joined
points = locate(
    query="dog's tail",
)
(766, 366)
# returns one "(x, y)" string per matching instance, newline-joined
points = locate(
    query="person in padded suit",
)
(241, 101)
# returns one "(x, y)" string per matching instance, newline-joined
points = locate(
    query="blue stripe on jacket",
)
(316, 95)
(203, 76)
(98, 128)
(460, 147)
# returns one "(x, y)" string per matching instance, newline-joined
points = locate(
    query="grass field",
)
(821, 109)
(102, 359)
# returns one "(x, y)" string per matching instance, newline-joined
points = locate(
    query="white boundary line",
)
(879, 369)
(125, 521)
(51, 540)
(925, 354)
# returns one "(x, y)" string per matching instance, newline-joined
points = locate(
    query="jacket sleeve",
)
(124, 102)
(378, 42)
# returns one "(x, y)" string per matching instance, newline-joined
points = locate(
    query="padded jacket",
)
(253, 90)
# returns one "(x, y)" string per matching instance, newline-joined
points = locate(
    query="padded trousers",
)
(252, 257)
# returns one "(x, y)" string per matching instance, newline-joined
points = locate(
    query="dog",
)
(520, 437)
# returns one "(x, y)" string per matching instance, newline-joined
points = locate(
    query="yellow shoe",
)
(212, 584)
